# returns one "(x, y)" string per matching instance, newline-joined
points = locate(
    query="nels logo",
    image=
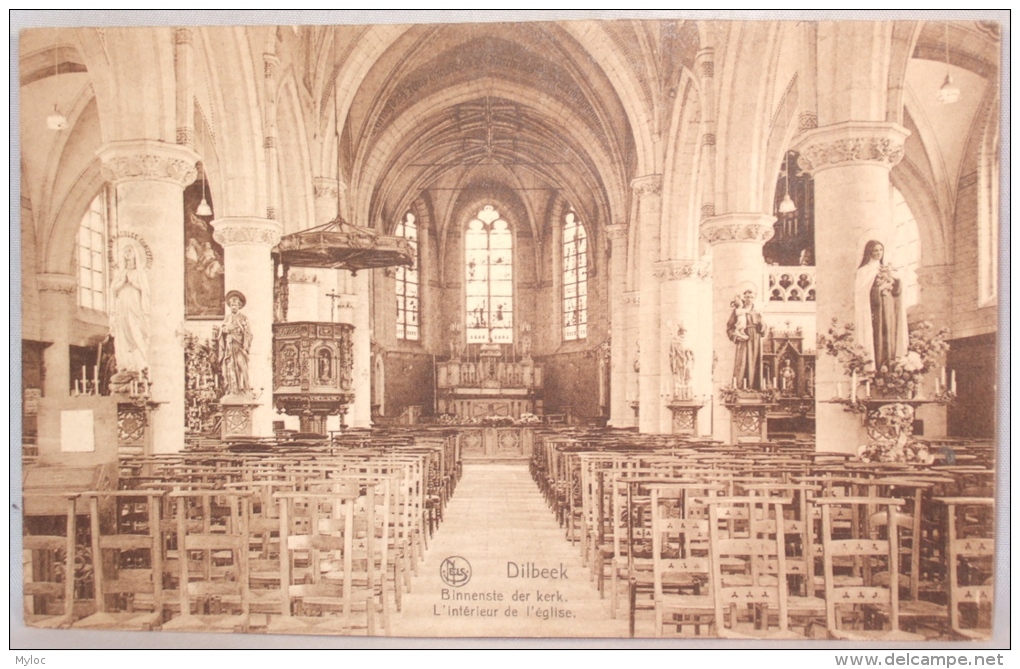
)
(455, 571)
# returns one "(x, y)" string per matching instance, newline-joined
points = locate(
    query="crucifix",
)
(333, 297)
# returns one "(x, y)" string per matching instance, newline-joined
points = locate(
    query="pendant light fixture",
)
(203, 207)
(948, 93)
(340, 244)
(787, 206)
(56, 120)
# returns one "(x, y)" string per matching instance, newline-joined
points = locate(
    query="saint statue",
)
(129, 319)
(787, 378)
(746, 330)
(681, 363)
(234, 338)
(880, 315)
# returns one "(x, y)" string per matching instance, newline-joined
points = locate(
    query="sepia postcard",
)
(597, 329)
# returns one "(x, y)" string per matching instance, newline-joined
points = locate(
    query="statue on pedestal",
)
(880, 314)
(235, 337)
(681, 363)
(746, 330)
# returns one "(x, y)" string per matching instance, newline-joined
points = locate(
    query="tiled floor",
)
(499, 523)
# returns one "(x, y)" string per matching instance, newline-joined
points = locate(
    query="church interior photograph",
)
(632, 328)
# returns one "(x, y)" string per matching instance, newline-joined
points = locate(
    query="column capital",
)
(325, 187)
(705, 62)
(750, 227)
(647, 185)
(243, 230)
(935, 275)
(681, 270)
(302, 275)
(851, 143)
(56, 283)
(270, 62)
(148, 160)
(617, 232)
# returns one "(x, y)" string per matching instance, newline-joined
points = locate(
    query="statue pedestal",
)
(237, 416)
(685, 416)
(748, 421)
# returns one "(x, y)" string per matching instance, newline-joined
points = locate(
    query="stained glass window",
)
(489, 288)
(92, 256)
(408, 286)
(575, 279)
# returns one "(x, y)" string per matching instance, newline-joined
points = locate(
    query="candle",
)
(867, 388)
(83, 377)
(839, 389)
(952, 381)
(95, 375)
(938, 390)
(734, 383)
(853, 387)
(942, 375)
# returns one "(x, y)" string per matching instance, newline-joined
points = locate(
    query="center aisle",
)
(499, 524)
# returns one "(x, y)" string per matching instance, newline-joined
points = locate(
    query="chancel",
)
(693, 311)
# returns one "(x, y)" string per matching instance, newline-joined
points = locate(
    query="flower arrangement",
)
(902, 450)
(901, 377)
(202, 390)
(891, 428)
(529, 419)
(732, 394)
(841, 343)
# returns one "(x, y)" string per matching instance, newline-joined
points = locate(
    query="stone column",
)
(850, 163)
(935, 304)
(185, 86)
(737, 265)
(685, 296)
(57, 301)
(620, 413)
(360, 413)
(149, 178)
(648, 191)
(631, 357)
(248, 268)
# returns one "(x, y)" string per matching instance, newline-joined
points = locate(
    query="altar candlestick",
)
(853, 387)
(938, 389)
(942, 376)
(867, 389)
(83, 377)
(734, 384)
(952, 381)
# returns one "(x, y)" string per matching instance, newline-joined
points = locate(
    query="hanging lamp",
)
(203, 208)
(949, 92)
(340, 244)
(56, 120)
(787, 206)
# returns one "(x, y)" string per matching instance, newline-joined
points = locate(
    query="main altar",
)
(488, 381)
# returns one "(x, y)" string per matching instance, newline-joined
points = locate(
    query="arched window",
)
(906, 247)
(489, 287)
(407, 285)
(92, 256)
(575, 279)
(988, 219)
